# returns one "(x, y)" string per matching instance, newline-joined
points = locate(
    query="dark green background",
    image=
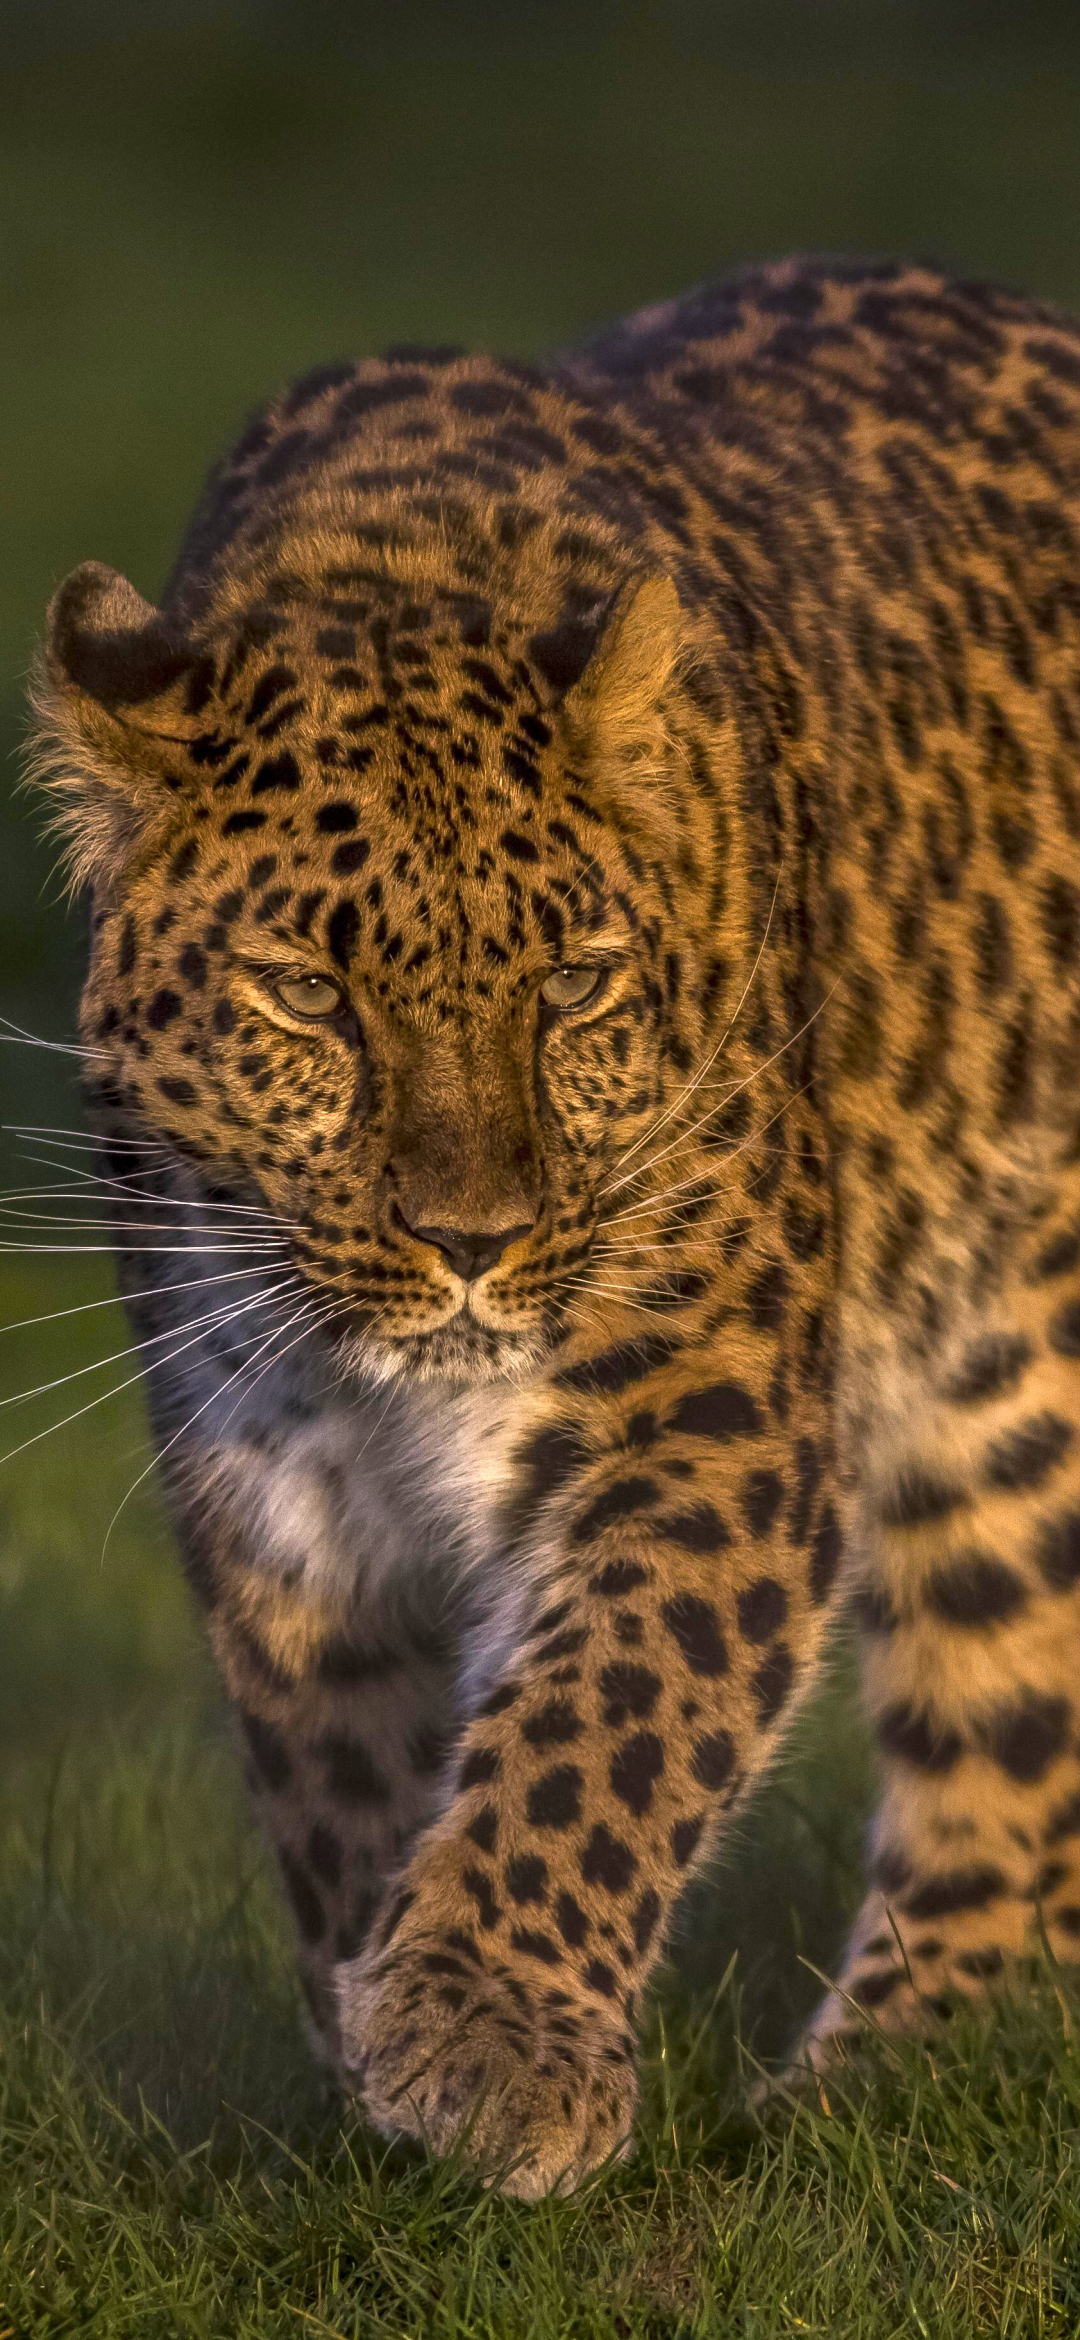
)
(197, 201)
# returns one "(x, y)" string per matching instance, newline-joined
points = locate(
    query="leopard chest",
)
(375, 1499)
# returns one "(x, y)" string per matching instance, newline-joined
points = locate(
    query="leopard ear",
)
(116, 696)
(617, 711)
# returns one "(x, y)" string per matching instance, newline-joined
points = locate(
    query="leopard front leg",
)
(688, 1556)
(344, 1713)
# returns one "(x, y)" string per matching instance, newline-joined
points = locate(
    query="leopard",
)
(580, 1042)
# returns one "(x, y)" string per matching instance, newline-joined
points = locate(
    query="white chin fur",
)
(445, 1355)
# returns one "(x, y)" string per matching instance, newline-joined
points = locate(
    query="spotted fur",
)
(734, 660)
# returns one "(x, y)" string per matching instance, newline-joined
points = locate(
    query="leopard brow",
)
(274, 969)
(610, 946)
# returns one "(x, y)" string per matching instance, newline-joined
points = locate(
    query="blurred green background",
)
(198, 200)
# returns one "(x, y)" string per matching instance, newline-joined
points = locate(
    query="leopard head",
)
(399, 921)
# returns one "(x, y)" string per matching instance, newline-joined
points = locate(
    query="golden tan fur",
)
(724, 675)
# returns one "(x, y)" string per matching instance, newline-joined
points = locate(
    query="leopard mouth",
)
(460, 1350)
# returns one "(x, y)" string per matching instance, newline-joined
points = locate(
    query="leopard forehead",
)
(379, 787)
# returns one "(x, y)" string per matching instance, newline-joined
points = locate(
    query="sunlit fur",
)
(733, 657)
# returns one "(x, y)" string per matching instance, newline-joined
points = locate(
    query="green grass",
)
(170, 2162)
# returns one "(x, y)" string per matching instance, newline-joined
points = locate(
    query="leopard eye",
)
(307, 995)
(572, 987)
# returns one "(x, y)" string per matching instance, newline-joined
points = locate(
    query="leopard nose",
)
(470, 1252)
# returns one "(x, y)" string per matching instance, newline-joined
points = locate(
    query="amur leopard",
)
(582, 1035)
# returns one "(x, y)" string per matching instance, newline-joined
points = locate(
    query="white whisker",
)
(735, 1092)
(245, 1237)
(224, 1314)
(13, 1204)
(716, 1177)
(100, 1400)
(589, 1318)
(688, 1241)
(377, 1425)
(113, 1299)
(620, 1297)
(19, 1037)
(230, 1246)
(686, 1093)
(590, 1284)
(85, 1140)
(82, 1182)
(160, 1453)
(53, 1047)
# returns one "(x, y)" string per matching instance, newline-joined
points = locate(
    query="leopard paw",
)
(536, 2087)
(901, 1981)
(882, 2002)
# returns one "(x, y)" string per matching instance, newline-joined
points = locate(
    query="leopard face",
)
(398, 965)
